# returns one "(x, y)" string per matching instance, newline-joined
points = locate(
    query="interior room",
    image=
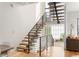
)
(32, 29)
(72, 29)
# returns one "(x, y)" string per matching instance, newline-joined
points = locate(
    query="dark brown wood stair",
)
(56, 11)
(25, 44)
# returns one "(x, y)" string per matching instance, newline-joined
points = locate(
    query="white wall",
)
(72, 13)
(72, 19)
(16, 22)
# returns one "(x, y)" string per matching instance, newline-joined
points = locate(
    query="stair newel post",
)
(40, 47)
(28, 44)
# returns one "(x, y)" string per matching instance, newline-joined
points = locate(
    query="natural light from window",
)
(57, 31)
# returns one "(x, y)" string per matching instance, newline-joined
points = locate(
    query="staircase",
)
(25, 44)
(56, 11)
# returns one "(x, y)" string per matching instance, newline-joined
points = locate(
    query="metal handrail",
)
(43, 20)
(36, 29)
(40, 41)
(36, 22)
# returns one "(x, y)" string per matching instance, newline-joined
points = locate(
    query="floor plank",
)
(71, 53)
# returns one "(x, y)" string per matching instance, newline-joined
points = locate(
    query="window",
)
(57, 30)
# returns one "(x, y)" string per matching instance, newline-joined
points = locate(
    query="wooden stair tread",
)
(58, 19)
(57, 10)
(34, 32)
(57, 6)
(55, 13)
(31, 37)
(20, 47)
(50, 3)
(22, 50)
(24, 40)
(58, 16)
(27, 38)
(24, 43)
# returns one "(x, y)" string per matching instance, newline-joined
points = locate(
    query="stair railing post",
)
(40, 47)
(45, 17)
(36, 29)
(28, 44)
(42, 20)
(46, 44)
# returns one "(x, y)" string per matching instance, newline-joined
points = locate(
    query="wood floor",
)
(14, 53)
(50, 52)
(55, 52)
(71, 53)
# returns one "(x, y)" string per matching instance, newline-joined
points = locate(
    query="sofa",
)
(72, 43)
